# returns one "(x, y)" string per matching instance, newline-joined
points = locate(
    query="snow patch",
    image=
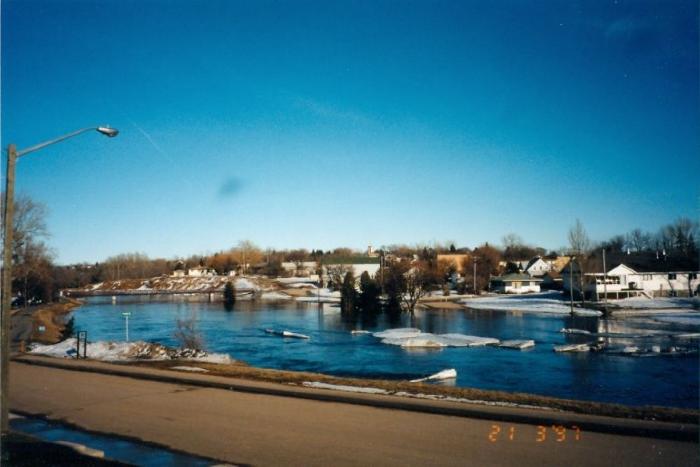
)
(127, 351)
(194, 369)
(341, 387)
(532, 303)
(275, 296)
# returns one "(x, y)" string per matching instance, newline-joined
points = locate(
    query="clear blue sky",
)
(323, 124)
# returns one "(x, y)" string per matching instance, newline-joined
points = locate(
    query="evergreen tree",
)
(369, 294)
(68, 329)
(394, 285)
(229, 296)
(348, 294)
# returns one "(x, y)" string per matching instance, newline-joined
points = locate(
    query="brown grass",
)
(243, 371)
(51, 317)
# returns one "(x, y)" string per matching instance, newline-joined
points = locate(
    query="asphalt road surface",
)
(266, 430)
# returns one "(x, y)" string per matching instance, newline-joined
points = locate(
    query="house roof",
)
(514, 277)
(533, 261)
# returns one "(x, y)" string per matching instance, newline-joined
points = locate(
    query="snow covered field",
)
(547, 302)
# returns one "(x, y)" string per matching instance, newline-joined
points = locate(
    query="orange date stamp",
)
(556, 433)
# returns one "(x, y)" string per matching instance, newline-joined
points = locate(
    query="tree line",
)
(410, 271)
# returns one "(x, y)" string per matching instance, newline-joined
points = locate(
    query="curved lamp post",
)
(12, 155)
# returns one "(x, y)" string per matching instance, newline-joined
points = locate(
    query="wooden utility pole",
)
(8, 215)
(605, 285)
(571, 282)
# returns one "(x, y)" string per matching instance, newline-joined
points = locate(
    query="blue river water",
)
(332, 349)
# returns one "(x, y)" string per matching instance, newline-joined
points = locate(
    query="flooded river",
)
(656, 379)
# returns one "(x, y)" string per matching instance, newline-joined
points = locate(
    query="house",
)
(558, 263)
(552, 280)
(516, 283)
(571, 273)
(201, 271)
(537, 267)
(179, 270)
(656, 281)
(299, 268)
(330, 266)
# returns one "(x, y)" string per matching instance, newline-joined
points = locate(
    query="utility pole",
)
(571, 282)
(8, 224)
(605, 284)
(474, 277)
(8, 215)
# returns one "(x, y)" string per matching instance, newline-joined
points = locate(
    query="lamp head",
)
(107, 131)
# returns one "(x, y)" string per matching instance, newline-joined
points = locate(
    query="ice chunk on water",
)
(463, 340)
(412, 337)
(398, 333)
(444, 374)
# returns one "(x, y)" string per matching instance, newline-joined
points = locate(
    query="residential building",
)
(356, 264)
(537, 267)
(515, 283)
(201, 271)
(622, 281)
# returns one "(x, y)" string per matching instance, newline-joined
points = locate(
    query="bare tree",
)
(578, 239)
(187, 334)
(511, 240)
(247, 253)
(638, 241)
(336, 274)
(415, 287)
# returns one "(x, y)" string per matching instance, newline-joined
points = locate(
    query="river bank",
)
(44, 323)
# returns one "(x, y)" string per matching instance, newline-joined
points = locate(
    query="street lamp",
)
(12, 155)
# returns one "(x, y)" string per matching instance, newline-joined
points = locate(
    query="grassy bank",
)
(52, 318)
(243, 371)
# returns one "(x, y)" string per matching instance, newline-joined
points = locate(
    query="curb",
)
(591, 423)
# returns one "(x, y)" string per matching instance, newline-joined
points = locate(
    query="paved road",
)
(272, 430)
(21, 325)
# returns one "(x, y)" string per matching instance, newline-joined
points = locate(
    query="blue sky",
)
(323, 124)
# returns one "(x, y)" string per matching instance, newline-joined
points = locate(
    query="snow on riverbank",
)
(275, 296)
(662, 303)
(433, 397)
(127, 351)
(548, 302)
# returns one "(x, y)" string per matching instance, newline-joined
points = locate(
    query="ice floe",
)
(286, 333)
(519, 344)
(414, 338)
(450, 373)
(572, 348)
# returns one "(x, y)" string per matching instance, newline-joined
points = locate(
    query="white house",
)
(356, 264)
(537, 267)
(299, 268)
(201, 271)
(623, 281)
(514, 283)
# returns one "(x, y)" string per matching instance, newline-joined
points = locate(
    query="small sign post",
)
(126, 315)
